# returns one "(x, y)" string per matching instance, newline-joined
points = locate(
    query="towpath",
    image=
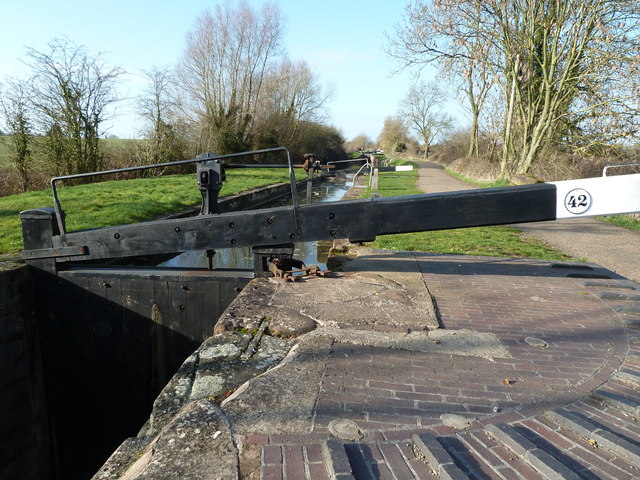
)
(587, 239)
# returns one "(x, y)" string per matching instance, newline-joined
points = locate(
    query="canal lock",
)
(88, 350)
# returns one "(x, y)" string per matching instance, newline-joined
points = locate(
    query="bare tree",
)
(290, 96)
(223, 70)
(71, 92)
(360, 142)
(421, 108)
(156, 106)
(14, 107)
(434, 32)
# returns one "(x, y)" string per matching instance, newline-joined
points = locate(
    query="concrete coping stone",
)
(549, 466)
(336, 457)
(629, 376)
(437, 457)
(572, 421)
(617, 401)
(618, 445)
(581, 425)
(200, 429)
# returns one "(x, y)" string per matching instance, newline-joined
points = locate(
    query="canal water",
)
(311, 253)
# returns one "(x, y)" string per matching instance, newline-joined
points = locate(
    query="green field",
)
(4, 153)
(111, 147)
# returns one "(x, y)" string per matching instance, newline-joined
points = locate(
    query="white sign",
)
(591, 197)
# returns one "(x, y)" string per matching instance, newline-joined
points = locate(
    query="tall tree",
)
(223, 69)
(565, 63)
(14, 107)
(291, 95)
(433, 32)
(71, 93)
(156, 106)
(421, 107)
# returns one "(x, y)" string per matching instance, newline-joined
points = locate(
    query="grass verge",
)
(496, 241)
(122, 202)
(625, 221)
(496, 183)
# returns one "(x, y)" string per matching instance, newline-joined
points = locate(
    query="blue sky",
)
(342, 41)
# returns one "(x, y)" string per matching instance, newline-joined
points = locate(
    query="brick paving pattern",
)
(566, 340)
(565, 404)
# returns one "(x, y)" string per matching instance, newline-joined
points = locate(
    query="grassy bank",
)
(113, 148)
(496, 183)
(489, 241)
(624, 221)
(122, 202)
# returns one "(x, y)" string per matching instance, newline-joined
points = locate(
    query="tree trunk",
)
(506, 141)
(474, 147)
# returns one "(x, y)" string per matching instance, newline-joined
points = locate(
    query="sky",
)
(342, 41)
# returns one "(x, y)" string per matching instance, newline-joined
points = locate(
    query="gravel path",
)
(586, 239)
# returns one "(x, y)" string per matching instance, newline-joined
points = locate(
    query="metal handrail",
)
(294, 193)
(355, 178)
(360, 159)
(604, 170)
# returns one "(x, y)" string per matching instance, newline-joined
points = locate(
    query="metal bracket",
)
(263, 254)
(210, 177)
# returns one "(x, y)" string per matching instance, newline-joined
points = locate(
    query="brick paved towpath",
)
(560, 400)
(562, 403)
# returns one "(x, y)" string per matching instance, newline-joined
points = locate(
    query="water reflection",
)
(311, 253)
